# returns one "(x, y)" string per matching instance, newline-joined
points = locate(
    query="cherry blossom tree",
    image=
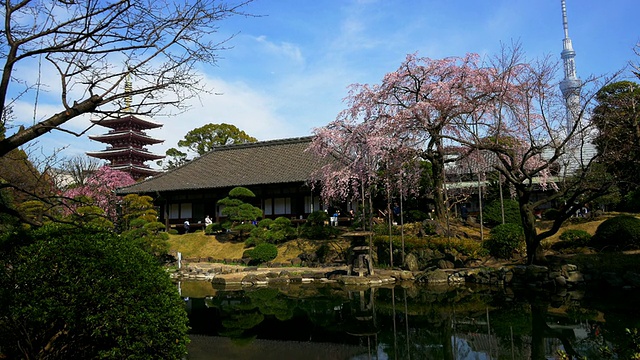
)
(99, 191)
(415, 107)
(531, 147)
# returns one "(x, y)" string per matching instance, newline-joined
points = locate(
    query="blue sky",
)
(288, 69)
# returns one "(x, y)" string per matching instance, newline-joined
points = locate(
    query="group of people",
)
(187, 225)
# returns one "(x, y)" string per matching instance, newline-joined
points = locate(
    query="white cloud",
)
(283, 49)
(232, 103)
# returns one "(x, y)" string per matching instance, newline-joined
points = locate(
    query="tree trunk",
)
(535, 255)
(437, 168)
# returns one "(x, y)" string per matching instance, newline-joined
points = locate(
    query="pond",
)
(306, 321)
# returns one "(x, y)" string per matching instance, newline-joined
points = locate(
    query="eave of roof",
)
(139, 119)
(136, 168)
(266, 162)
(110, 153)
(126, 134)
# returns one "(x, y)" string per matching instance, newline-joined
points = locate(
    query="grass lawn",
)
(197, 244)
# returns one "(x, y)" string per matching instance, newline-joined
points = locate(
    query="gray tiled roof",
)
(266, 162)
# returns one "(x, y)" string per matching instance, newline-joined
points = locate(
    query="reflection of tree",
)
(541, 330)
(269, 303)
(418, 323)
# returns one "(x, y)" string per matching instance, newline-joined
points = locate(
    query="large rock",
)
(411, 262)
(433, 277)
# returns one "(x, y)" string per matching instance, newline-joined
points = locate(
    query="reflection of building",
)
(127, 140)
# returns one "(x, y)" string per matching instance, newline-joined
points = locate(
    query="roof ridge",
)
(295, 140)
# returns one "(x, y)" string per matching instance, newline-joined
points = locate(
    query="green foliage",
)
(579, 237)
(240, 214)
(90, 216)
(174, 158)
(203, 139)
(149, 236)
(85, 294)
(630, 201)
(137, 206)
(504, 240)
(139, 220)
(616, 117)
(383, 229)
(241, 192)
(415, 216)
(551, 214)
(272, 231)
(262, 253)
(466, 247)
(618, 233)
(214, 228)
(316, 227)
(572, 239)
(492, 213)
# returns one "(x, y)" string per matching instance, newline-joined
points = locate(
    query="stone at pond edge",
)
(411, 262)
(433, 277)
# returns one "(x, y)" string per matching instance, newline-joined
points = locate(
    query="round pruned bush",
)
(262, 253)
(618, 233)
(505, 240)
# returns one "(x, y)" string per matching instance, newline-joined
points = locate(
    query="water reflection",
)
(331, 322)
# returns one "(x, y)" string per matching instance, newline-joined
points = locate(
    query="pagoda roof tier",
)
(113, 136)
(130, 151)
(113, 122)
(136, 169)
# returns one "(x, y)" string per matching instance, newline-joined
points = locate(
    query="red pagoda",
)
(127, 141)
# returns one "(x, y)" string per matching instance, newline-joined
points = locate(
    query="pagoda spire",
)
(571, 84)
(128, 88)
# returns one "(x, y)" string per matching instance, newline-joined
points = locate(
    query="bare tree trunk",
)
(535, 255)
(390, 221)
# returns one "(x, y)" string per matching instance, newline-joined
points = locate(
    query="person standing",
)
(464, 213)
(186, 226)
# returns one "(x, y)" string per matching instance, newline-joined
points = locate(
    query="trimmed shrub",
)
(504, 240)
(383, 229)
(272, 231)
(492, 214)
(315, 229)
(550, 214)
(577, 237)
(262, 253)
(618, 233)
(415, 216)
(86, 294)
(213, 229)
(571, 239)
(280, 230)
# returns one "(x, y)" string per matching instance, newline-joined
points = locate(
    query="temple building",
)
(127, 140)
